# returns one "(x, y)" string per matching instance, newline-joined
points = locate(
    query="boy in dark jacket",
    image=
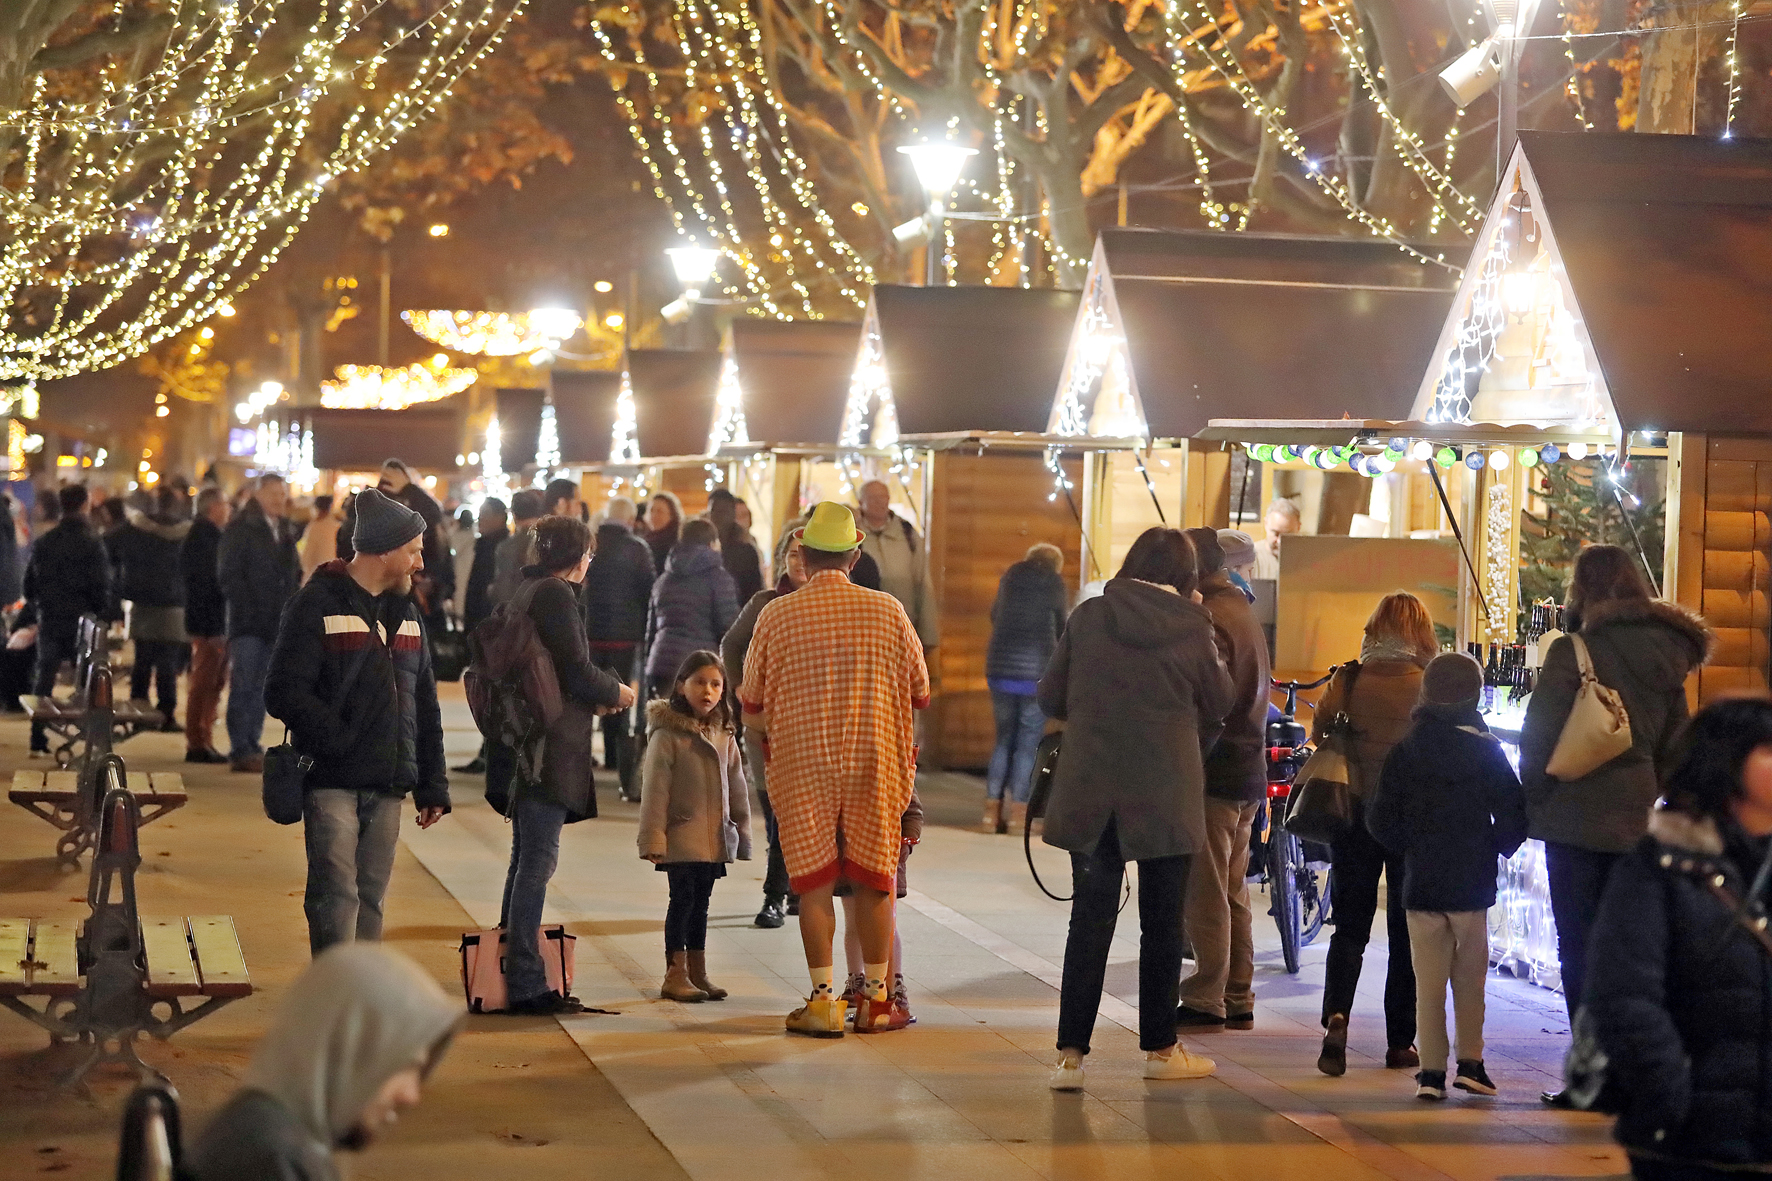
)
(1449, 804)
(69, 575)
(369, 721)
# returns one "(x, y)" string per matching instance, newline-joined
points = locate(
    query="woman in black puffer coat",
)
(1679, 991)
(1026, 621)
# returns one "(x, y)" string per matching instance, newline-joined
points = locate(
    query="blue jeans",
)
(249, 660)
(535, 851)
(1020, 726)
(350, 837)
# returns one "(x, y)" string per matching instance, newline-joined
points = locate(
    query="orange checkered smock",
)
(835, 671)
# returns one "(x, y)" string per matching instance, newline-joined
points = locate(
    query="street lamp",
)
(1495, 60)
(938, 167)
(695, 268)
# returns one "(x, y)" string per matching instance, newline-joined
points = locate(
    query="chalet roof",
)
(1244, 325)
(673, 399)
(519, 427)
(794, 377)
(427, 436)
(584, 412)
(1666, 241)
(971, 358)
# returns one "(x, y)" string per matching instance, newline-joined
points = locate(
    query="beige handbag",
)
(1597, 729)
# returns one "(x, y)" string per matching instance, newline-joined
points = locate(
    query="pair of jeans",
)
(1020, 726)
(350, 837)
(51, 651)
(535, 851)
(1644, 1169)
(158, 660)
(775, 877)
(1577, 880)
(686, 918)
(618, 745)
(209, 675)
(1218, 921)
(1449, 948)
(1095, 905)
(250, 661)
(1356, 861)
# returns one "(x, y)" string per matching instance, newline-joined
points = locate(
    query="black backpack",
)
(512, 688)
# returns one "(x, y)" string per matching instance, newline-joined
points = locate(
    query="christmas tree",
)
(1584, 505)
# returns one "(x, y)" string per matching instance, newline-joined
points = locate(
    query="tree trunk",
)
(1673, 98)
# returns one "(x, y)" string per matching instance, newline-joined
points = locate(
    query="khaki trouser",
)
(1449, 947)
(1217, 915)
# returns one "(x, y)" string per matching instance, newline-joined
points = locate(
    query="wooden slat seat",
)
(15, 946)
(220, 963)
(166, 947)
(186, 957)
(54, 964)
(163, 789)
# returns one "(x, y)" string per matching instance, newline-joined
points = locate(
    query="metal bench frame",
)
(114, 1005)
(75, 719)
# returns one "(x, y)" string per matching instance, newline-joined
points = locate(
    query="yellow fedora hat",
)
(830, 528)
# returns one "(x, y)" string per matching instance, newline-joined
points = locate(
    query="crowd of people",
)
(798, 677)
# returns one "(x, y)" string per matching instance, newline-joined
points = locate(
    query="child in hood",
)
(1449, 804)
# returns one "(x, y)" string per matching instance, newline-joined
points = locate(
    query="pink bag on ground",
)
(483, 965)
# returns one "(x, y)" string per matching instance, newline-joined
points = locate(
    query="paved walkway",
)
(963, 1092)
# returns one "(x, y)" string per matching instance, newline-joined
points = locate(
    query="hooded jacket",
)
(147, 550)
(694, 805)
(206, 609)
(359, 1015)
(1236, 766)
(618, 586)
(1026, 619)
(1643, 648)
(69, 575)
(693, 603)
(1448, 804)
(258, 569)
(1138, 681)
(1681, 997)
(566, 765)
(387, 733)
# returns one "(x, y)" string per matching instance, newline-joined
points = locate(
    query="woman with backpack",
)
(558, 790)
(1642, 648)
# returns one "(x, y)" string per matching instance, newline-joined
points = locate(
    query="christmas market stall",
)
(1602, 377)
(778, 414)
(1177, 328)
(583, 406)
(325, 448)
(664, 412)
(954, 385)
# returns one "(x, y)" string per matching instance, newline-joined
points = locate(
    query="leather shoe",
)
(1557, 1099)
(1402, 1058)
(205, 756)
(771, 916)
(1332, 1060)
(474, 766)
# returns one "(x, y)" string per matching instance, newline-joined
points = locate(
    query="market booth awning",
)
(584, 412)
(784, 382)
(519, 427)
(427, 437)
(664, 411)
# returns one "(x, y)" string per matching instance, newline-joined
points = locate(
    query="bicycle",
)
(1298, 890)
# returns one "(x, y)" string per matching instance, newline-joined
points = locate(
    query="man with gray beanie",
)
(351, 678)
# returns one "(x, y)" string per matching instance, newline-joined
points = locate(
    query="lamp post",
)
(694, 266)
(1495, 60)
(938, 167)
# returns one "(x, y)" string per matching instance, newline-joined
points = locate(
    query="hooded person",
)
(351, 1046)
(351, 678)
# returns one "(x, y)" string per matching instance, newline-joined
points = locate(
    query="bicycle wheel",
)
(1283, 861)
(1313, 903)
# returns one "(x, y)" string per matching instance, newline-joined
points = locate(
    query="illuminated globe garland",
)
(495, 334)
(371, 387)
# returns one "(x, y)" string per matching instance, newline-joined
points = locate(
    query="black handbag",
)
(286, 769)
(449, 651)
(1320, 806)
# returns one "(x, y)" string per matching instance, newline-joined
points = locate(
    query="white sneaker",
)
(1067, 1075)
(1179, 1064)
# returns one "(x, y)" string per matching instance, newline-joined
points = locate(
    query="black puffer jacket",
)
(69, 575)
(1643, 648)
(1026, 621)
(566, 754)
(258, 569)
(618, 587)
(1448, 804)
(147, 551)
(1681, 997)
(387, 733)
(206, 609)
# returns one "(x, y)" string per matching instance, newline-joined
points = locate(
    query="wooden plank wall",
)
(688, 481)
(986, 511)
(1737, 500)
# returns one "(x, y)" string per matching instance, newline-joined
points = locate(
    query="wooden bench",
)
(118, 975)
(91, 709)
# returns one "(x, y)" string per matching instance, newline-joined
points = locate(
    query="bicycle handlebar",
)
(1297, 685)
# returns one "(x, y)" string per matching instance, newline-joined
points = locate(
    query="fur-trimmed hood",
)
(1686, 624)
(1678, 831)
(660, 716)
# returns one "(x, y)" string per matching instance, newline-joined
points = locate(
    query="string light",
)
(371, 387)
(1574, 84)
(869, 415)
(729, 424)
(495, 334)
(547, 445)
(624, 442)
(1734, 60)
(145, 206)
(492, 471)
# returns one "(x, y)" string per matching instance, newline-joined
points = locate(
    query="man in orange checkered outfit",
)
(832, 678)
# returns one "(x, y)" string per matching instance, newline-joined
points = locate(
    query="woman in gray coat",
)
(1139, 682)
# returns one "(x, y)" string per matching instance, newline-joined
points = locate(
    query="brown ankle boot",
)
(698, 975)
(677, 985)
(1018, 816)
(993, 816)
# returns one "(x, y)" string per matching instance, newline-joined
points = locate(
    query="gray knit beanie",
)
(1452, 680)
(383, 523)
(1238, 547)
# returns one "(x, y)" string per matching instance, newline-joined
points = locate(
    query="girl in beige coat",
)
(694, 813)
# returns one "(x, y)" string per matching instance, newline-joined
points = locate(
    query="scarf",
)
(1390, 648)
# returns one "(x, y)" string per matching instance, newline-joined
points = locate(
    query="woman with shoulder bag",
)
(1679, 984)
(1642, 649)
(1378, 692)
(1138, 680)
(563, 790)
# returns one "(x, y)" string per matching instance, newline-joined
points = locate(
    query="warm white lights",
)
(257, 402)
(494, 334)
(694, 266)
(938, 166)
(371, 387)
